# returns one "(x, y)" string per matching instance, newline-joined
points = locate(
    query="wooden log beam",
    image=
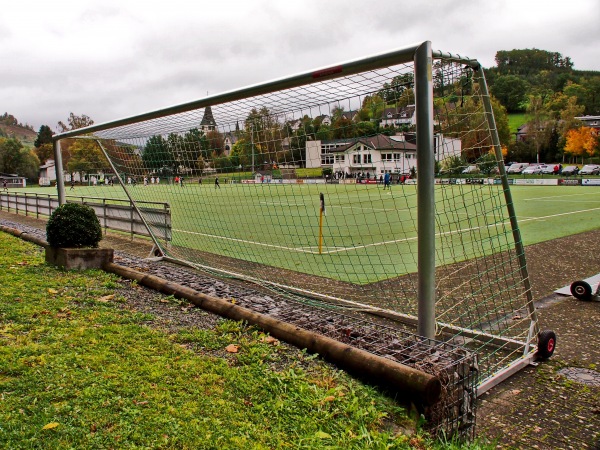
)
(415, 384)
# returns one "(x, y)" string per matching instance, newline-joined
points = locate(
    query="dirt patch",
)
(540, 407)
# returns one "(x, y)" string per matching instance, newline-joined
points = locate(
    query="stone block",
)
(79, 258)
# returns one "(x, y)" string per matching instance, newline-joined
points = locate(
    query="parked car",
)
(590, 169)
(517, 167)
(570, 170)
(471, 169)
(532, 169)
(550, 169)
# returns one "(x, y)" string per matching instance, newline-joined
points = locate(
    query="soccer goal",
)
(375, 185)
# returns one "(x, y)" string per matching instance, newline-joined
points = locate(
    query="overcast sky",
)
(110, 59)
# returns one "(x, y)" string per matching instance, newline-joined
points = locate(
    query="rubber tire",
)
(546, 344)
(581, 290)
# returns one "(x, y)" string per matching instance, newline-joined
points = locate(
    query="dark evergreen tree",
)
(157, 156)
(44, 136)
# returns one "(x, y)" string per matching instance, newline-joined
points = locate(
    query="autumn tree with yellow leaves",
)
(582, 142)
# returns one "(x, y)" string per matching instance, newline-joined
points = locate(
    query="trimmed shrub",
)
(73, 225)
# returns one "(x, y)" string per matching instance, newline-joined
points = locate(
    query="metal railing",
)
(113, 214)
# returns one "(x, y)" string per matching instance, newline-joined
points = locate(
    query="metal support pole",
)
(519, 247)
(60, 179)
(122, 183)
(425, 191)
(252, 144)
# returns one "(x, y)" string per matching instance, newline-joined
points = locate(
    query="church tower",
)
(208, 121)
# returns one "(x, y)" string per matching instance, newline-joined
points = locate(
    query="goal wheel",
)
(546, 343)
(581, 290)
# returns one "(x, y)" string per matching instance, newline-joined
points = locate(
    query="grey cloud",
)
(131, 63)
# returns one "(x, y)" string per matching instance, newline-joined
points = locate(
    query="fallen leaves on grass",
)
(232, 348)
(63, 314)
(269, 340)
(50, 426)
(106, 298)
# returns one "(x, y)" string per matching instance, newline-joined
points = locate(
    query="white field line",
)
(463, 230)
(491, 215)
(244, 241)
(289, 205)
(568, 201)
(368, 209)
(560, 214)
(378, 244)
(470, 214)
(559, 196)
(309, 249)
(329, 206)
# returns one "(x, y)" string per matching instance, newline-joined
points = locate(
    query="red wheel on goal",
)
(546, 344)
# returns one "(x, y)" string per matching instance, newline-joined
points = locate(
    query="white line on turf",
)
(378, 244)
(244, 241)
(567, 201)
(296, 205)
(551, 197)
(560, 214)
(462, 230)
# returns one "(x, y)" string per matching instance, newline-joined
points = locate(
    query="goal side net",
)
(359, 186)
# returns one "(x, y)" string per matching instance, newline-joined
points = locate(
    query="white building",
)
(590, 121)
(47, 173)
(12, 180)
(397, 117)
(228, 142)
(375, 155)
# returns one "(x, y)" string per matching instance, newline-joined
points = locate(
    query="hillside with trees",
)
(10, 127)
(544, 86)
(16, 144)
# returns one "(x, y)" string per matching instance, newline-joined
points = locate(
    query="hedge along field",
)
(77, 371)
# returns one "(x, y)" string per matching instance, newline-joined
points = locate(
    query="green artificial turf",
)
(366, 234)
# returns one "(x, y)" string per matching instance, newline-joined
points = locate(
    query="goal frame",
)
(422, 55)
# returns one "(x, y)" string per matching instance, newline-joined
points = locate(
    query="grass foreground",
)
(78, 371)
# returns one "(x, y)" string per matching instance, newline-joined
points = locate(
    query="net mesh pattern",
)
(313, 188)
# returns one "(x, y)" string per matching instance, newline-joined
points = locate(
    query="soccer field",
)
(364, 229)
(550, 212)
(368, 233)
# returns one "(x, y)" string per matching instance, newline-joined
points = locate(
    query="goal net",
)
(309, 185)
